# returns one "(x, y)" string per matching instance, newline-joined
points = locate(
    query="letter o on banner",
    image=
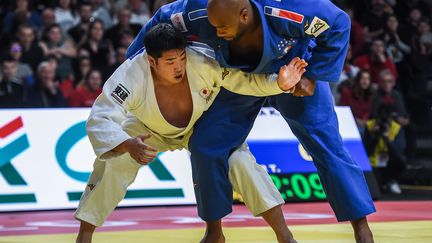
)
(65, 143)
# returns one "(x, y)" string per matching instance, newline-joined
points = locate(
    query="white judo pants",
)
(110, 178)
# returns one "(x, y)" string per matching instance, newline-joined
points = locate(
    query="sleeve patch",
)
(178, 22)
(120, 93)
(197, 14)
(284, 14)
(316, 27)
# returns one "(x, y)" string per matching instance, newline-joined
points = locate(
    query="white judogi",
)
(128, 107)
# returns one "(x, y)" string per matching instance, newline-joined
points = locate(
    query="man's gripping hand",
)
(306, 87)
(290, 75)
(138, 149)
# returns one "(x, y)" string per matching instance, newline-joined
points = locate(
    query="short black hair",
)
(163, 37)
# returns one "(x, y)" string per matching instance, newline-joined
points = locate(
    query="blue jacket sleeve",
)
(327, 26)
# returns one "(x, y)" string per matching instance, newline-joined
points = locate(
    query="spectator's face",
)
(97, 32)
(378, 47)
(47, 74)
(9, 70)
(134, 4)
(392, 23)
(386, 83)
(415, 15)
(364, 81)
(85, 13)
(55, 35)
(85, 66)
(124, 17)
(64, 4)
(16, 51)
(170, 67)
(26, 36)
(126, 40)
(22, 4)
(95, 80)
(48, 17)
(121, 54)
(423, 27)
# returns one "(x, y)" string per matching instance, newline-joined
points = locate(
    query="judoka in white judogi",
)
(128, 108)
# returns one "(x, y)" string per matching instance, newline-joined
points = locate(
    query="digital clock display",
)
(299, 186)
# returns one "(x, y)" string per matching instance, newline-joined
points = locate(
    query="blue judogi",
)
(315, 30)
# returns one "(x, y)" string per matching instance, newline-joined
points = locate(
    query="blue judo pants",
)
(313, 121)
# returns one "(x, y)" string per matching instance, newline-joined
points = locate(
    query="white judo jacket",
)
(129, 94)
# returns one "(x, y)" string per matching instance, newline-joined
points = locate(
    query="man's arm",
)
(110, 109)
(264, 84)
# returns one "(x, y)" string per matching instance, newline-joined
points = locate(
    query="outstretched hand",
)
(290, 75)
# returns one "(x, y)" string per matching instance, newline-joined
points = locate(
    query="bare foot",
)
(362, 232)
(213, 238)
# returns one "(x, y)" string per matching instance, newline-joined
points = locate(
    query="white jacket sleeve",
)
(121, 93)
(243, 83)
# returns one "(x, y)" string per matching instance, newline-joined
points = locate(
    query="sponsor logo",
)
(7, 153)
(120, 93)
(225, 73)
(316, 27)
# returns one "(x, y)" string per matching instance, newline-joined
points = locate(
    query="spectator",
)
(387, 95)
(409, 28)
(357, 38)
(21, 15)
(404, 7)
(376, 61)
(65, 15)
(99, 49)
(86, 94)
(79, 31)
(12, 93)
(140, 10)
(114, 33)
(83, 67)
(120, 57)
(48, 19)
(46, 92)
(398, 51)
(374, 21)
(359, 98)
(349, 72)
(32, 53)
(100, 11)
(24, 74)
(384, 143)
(54, 43)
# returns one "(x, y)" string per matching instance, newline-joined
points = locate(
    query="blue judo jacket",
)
(315, 30)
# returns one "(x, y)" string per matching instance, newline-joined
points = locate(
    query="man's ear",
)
(152, 61)
(244, 15)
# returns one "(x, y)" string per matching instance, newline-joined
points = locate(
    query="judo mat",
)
(310, 222)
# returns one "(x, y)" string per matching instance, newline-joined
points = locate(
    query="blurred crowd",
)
(58, 53)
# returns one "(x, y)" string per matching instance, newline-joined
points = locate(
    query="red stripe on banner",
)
(11, 127)
(291, 16)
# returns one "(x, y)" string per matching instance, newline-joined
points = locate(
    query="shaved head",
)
(231, 18)
(226, 7)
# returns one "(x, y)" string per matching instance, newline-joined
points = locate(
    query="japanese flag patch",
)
(178, 22)
(316, 27)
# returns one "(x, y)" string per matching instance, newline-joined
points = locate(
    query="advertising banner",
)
(46, 158)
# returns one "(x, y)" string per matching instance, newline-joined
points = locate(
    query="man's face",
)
(228, 27)
(171, 66)
(85, 13)
(10, 69)
(26, 36)
(387, 83)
